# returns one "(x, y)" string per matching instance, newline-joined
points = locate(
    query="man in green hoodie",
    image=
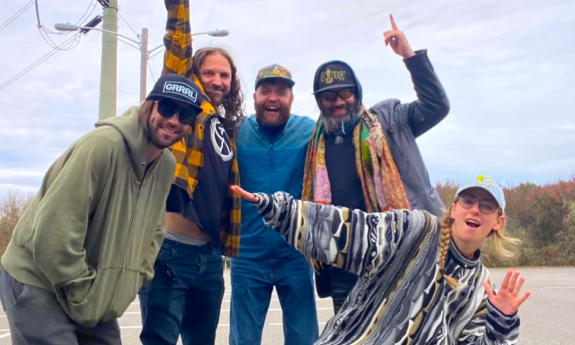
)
(88, 240)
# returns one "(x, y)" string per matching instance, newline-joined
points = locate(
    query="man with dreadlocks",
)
(202, 216)
(368, 159)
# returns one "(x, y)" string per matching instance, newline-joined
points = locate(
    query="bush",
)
(11, 208)
(542, 216)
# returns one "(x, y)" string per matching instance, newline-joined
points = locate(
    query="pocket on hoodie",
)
(77, 291)
(82, 309)
(128, 284)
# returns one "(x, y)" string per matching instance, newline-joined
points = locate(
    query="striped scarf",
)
(188, 150)
(380, 181)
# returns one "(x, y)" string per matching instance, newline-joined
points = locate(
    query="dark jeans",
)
(342, 282)
(252, 283)
(36, 317)
(185, 296)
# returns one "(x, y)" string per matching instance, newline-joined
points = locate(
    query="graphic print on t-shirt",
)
(220, 140)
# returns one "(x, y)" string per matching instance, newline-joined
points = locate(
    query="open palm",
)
(506, 298)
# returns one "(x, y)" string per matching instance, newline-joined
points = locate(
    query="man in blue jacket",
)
(271, 151)
(368, 159)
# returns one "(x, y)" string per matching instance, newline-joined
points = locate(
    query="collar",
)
(462, 260)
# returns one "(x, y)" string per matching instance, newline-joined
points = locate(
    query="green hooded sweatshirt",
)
(93, 230)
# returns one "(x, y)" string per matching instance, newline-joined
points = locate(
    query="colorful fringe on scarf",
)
(380, 180)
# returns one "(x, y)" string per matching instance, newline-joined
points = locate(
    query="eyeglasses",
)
(486, 206)
(168, 108)
(330, 96)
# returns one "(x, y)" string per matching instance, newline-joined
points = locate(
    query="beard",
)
(162, 141)
(279, 120)
(216, 94)
(333, 124)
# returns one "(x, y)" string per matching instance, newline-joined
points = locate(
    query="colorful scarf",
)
(380, 181)
(188, 151)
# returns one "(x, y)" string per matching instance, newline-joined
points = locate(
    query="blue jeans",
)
(252, 284)
(184, 297)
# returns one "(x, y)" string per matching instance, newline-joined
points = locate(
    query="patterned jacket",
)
(401, 296)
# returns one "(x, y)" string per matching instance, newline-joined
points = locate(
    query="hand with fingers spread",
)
(506, 299)
(397, 40)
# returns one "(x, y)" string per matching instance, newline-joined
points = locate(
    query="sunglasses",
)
(330, 96)
(486, 206)
(168, 108)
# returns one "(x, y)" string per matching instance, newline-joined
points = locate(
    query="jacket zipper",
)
(271, 166)
(126, 243)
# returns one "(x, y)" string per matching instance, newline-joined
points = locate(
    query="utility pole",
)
(143, 64)
(109, 60)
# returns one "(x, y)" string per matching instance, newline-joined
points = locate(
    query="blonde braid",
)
(444, 240)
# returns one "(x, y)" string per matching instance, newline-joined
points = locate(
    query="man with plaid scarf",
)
(368, 159)
(202, 214)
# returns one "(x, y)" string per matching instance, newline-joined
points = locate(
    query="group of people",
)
(147, 203)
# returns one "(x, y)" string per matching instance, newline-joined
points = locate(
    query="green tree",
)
(547, 214)
(12, 205)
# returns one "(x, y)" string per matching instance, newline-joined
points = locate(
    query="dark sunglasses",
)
(330, 96)
(486, 206)
(168, 108)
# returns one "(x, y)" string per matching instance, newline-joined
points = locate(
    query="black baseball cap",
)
(334, 75)
(177, 88)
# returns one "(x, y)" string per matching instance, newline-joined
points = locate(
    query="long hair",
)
(498, 243)
(234, 103)
(144, 112)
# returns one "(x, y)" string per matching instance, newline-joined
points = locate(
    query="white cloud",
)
(506, 66)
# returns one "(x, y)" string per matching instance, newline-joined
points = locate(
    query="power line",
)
(86, 14)
(17, 14)
(45, 33)
(151, 71)
(41, 27)
(125, 21)
(72, 41)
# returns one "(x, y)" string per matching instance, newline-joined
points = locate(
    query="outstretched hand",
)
(506, 299)
(245, 194)
(397, 40)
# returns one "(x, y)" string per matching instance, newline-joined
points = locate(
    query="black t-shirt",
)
(205, 209)
(345, 183)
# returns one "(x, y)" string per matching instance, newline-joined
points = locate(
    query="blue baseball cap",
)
(487, 184)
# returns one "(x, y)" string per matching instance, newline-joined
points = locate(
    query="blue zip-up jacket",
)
(269, 166)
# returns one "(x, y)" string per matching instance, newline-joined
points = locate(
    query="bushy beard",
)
(334, 125)
(283, 116)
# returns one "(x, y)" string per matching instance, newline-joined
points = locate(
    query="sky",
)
(507, 68)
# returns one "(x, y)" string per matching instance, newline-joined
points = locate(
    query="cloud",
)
(506, 66)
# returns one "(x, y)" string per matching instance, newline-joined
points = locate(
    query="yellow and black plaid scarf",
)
(188, 151)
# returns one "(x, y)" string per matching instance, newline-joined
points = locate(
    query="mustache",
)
(209, 88)
(348, 108)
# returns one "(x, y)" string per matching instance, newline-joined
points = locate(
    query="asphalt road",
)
(547, 317)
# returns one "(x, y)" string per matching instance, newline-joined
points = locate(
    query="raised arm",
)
(178, 39)
(432, 104)
(355, 241)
